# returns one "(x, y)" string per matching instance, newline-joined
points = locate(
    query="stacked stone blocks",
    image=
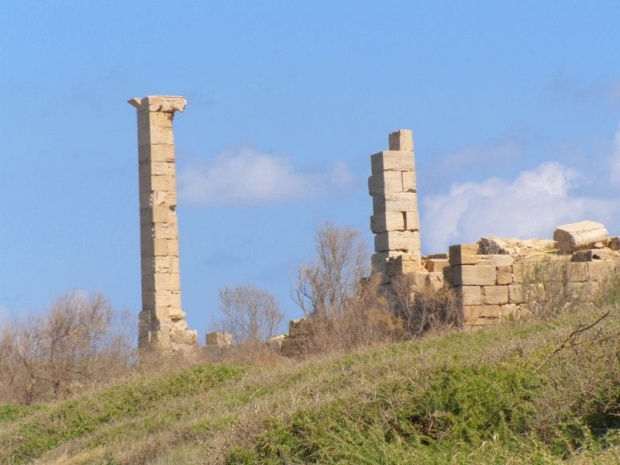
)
(162, 324)
(395, 219)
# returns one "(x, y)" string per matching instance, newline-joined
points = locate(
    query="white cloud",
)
(247, 177)
(532, 205)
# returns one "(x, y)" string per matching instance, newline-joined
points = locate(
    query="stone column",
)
(162, 323)
(395, 220)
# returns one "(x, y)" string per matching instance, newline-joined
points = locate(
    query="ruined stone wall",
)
(494, 279)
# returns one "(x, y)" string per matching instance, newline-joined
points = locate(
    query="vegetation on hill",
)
(537, 392)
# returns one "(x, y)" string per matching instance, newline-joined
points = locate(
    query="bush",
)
(76, 343)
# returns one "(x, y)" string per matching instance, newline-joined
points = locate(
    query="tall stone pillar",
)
(162, 323)
(395, 220)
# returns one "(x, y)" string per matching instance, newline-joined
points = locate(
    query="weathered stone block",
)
(218, 338)
(385, 182)
(471, 313)
(436, 264)
(517, 273)
(404, 264)
(515, 294)
(578, 236)
(412, 221)
(495, 295)
(401, 139)
(469, 295)
(474, 275)
(463, 254)
(395, 202)
(379, 261)
(389, 221)
(600, 271)
(510, 311)
(499, 260)
(408, 181)
(504, 275)
(490, 311)
(593, 255)
(406, 241)
(392, 161)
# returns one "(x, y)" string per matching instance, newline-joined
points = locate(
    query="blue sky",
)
(515, 108)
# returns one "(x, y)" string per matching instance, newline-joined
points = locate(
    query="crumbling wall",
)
(494, 279)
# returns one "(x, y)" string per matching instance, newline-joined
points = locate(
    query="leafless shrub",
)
(251, 315)
(323, 288)
(423, 310)
(75, 344)
(549, 289)
(366, 319)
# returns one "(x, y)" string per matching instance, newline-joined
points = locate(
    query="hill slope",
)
(528, 393)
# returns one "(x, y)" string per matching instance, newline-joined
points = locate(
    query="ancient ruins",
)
(495, 278)
(162, 325)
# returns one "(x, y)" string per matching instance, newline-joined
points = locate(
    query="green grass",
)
(499, 396)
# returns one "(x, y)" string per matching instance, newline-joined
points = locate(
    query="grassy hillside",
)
(528, 393)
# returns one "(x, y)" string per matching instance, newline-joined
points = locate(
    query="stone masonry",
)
(162, 324)
(395, 220)
(495, 278)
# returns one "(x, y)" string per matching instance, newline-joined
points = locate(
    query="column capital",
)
(159, 103)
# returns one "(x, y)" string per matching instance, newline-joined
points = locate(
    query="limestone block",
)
(218, 338)
(173, 247)
(510, 311)
(435, 280)
(160, 247)
(469, 295)
(389, 221)
(576, 272)
(162, 153)
(182, 338)
(578, 236)
(164, 230)
(449, 276)
(614, 243)
(412, 220)
(379, 261)
(593, 255)
(167, 281)
(463, 254)
(436, 264)
(471, 313)
(162, 168)
(490, 311)
(385, 183)
(166, 298)
(499, 260)
(515, 294)
(176, 314)
(406, 241)
(517, 273)
(401, 139)
(395, 202)
(408, 181)
(495, 295)
(392, 161)
(162, 214)
(163, 183)
(475, 275)
(504, 275)
(403, 264)
(155, 135)
(600, 271)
